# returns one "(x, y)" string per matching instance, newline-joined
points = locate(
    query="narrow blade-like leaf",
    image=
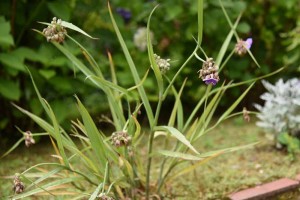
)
(178, 135)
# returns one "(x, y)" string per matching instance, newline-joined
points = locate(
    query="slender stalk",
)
(160, 184)
(150, 145)
(226, 60)
(178, 72)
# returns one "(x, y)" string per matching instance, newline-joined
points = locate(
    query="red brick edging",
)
(267, 190)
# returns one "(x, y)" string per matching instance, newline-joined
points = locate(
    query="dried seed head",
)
(120, 138)
(29, 139)
(246, 114)
(55, 32)
(19, 186)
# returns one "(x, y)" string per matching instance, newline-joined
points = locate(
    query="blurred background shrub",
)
(273, 25)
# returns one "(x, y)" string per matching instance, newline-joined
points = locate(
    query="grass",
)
(213, 180)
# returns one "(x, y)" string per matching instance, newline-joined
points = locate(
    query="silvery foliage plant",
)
(281, 110)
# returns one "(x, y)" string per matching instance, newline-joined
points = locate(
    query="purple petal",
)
(248, 43)
(212, 81)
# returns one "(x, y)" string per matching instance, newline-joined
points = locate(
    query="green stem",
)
(178, 72)
(227, 59)
(151, 137)
(160, 184)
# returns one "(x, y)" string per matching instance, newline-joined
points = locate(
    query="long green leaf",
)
(198, 106)
(227, 42)
(208, 156)
(96, 192)
(132, 67)
(236, 35)
(13, 147)
(178, 72)
(234, 105)
(154, 66)
(108, 84)
(207, 111)
(47, 187)
(89, 57)
(114, 107)
(87, 161)
(44, 177)
(176, 106)
(180, 155)
(57, 134)
(178, 135)
(96, 140)
(71, 26)
(200, 21)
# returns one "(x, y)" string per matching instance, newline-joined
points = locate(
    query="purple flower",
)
(242, 46)
(209, 72)
(212, 81)
(248, 43)
(125, 14)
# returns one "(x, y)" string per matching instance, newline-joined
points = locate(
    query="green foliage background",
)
(273, 26)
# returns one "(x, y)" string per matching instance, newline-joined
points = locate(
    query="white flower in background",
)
(140, 38)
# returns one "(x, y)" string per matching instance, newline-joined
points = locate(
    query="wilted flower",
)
(140, 38)
(246, 114)
(242, 46)
(29, 139)
(55, 32)
(125, 14)
(120, 138)
(163, 64)
(19, 186)
(209, 72)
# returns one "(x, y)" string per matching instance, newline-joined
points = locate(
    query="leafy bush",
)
(280, 113)
(54, 73)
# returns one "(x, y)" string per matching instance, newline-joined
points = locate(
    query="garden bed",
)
(215, 179)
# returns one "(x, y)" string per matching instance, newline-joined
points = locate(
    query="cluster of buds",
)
(242, 46)
(246, 115)
(163, 64)
(55, 31)
(209, 72)
(120, 138)
(29, 139)
(19, 186)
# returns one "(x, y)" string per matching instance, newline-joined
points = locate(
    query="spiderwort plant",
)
(112, 166)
